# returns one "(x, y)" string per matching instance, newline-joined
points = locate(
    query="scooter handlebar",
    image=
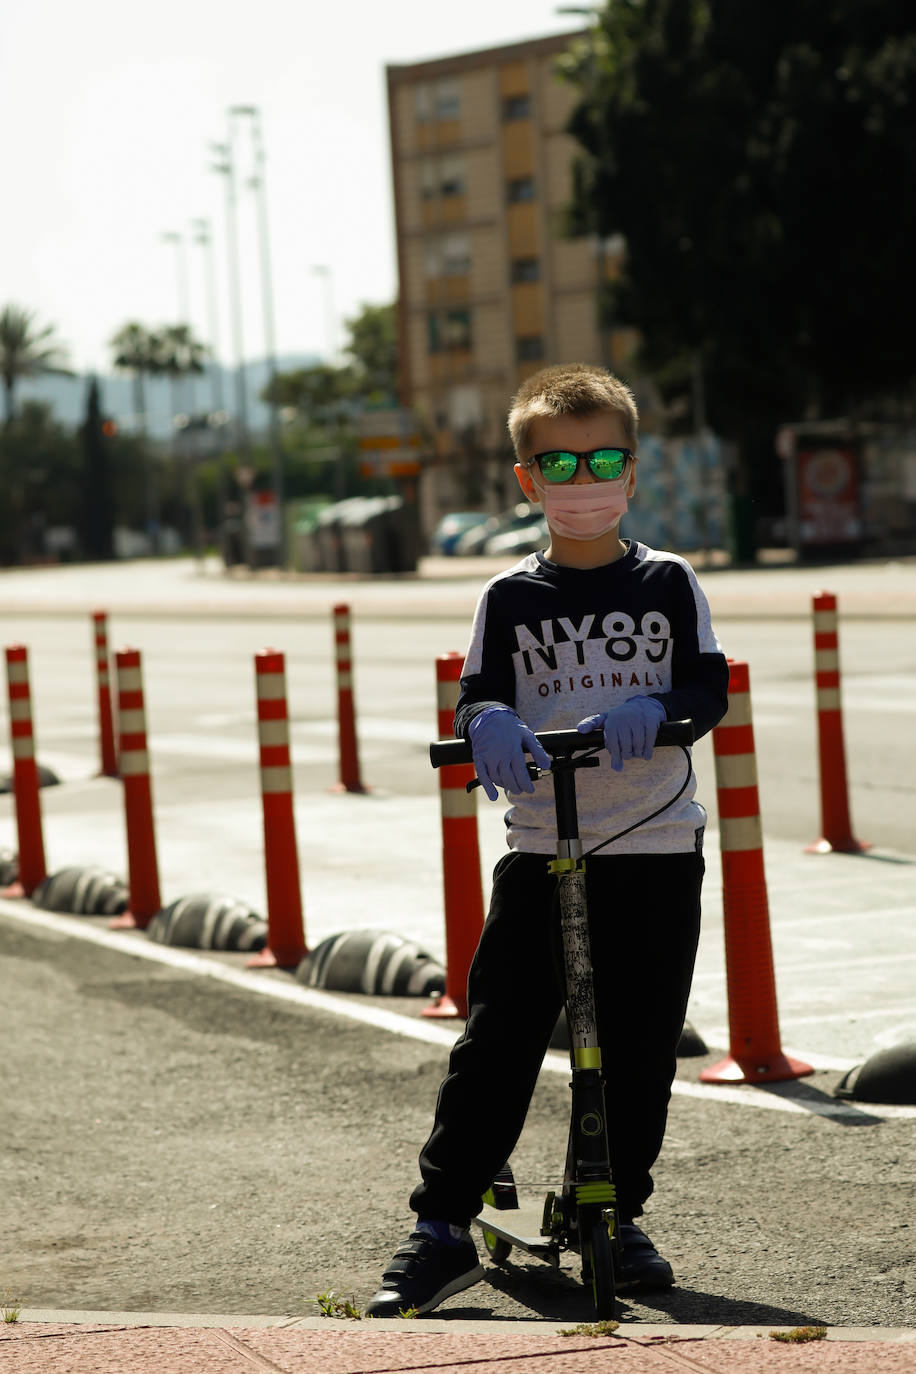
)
(446, 751)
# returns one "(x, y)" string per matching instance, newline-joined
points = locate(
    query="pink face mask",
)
(586, 510)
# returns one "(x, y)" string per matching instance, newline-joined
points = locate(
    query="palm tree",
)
(137, 351)
(179, 357)
(26, 352)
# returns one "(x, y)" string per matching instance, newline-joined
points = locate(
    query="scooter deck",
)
(520, 1226)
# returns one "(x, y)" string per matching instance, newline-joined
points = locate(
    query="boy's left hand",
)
(629, 730)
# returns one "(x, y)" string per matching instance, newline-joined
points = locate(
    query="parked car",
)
(527, 538)
(451, 527)
(474, 541)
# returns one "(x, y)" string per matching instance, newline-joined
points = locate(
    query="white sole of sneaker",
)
(456, 1286)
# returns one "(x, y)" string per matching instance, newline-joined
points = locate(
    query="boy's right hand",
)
(498, 739)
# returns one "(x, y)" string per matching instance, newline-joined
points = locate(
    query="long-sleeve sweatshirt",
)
(557, 644)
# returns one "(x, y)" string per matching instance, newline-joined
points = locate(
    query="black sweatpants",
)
(644, 916)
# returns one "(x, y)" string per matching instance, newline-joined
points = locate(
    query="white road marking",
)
(415, 1029)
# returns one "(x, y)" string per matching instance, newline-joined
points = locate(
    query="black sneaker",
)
(641, 1266)
(423, 1272)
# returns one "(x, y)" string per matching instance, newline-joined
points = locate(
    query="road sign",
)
(263, 520)
(389, 443)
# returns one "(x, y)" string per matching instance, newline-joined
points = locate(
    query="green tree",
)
(179, 356)
(758, 160)
(137, 350)
(98, 504)
(26, 351)
(314, 392)
(373, 348)
(40, 479)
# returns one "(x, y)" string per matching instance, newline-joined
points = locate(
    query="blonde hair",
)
(570, 389)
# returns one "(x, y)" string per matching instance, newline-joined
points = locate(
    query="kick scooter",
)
(581, 1215)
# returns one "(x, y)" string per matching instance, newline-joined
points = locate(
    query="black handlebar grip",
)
(670, 732)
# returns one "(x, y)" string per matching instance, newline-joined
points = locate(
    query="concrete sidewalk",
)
(114, 1341)
(445, 587)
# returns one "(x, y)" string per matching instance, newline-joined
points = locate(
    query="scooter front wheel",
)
(598, 1267)
(498, 1249)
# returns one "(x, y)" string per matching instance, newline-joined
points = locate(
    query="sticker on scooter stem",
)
(591, 1124)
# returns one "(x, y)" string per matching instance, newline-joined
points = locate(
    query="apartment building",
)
(491, 285)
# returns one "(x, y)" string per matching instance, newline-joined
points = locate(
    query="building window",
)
(442, 176)
(526, 269)
(529, 348)
(440, 100)
(456, 255)
(457, 328)
(448, 330)
(451, 176)
(520, 189)
(516, 107)
(448, 256)
(447, 97)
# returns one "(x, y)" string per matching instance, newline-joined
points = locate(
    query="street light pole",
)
(183, 437)
(203, 238)
(185, 380)
(258, 183)
(226, 168)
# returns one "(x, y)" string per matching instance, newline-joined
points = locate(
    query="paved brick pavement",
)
(88, 1342)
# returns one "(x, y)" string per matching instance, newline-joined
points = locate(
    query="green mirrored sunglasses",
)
(559, 465)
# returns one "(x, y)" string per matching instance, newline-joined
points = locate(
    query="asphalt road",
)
(169, 1141)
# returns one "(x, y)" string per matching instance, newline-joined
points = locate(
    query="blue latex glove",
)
(498, 738)
(629, 730)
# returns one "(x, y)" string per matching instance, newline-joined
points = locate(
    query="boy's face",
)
(575, 434)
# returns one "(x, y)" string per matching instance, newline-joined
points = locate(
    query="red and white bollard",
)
(460, 854)
(32, 869)
(108, 754)
(346, 711)
(285, 946)
(836, 827)
(755, 1053)
(142, 864)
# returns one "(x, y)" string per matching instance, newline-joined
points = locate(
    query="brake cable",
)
(651, 817)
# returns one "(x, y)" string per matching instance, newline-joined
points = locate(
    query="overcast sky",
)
(108, 109)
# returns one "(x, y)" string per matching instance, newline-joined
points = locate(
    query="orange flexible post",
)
(836, 827)
(460, 854)
(108, 757)
(755, 1053)
(348, 749)
(142, 863)
(32, 868)
(285, 946)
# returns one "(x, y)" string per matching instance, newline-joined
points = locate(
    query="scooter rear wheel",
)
(598, 1268)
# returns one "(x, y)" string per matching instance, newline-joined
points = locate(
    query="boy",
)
(599, 633)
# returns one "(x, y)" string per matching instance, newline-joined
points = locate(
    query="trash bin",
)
(404, 535)
(379, 536)
(356, 534)
(303, 550)
(329, 534)
(366, 534)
